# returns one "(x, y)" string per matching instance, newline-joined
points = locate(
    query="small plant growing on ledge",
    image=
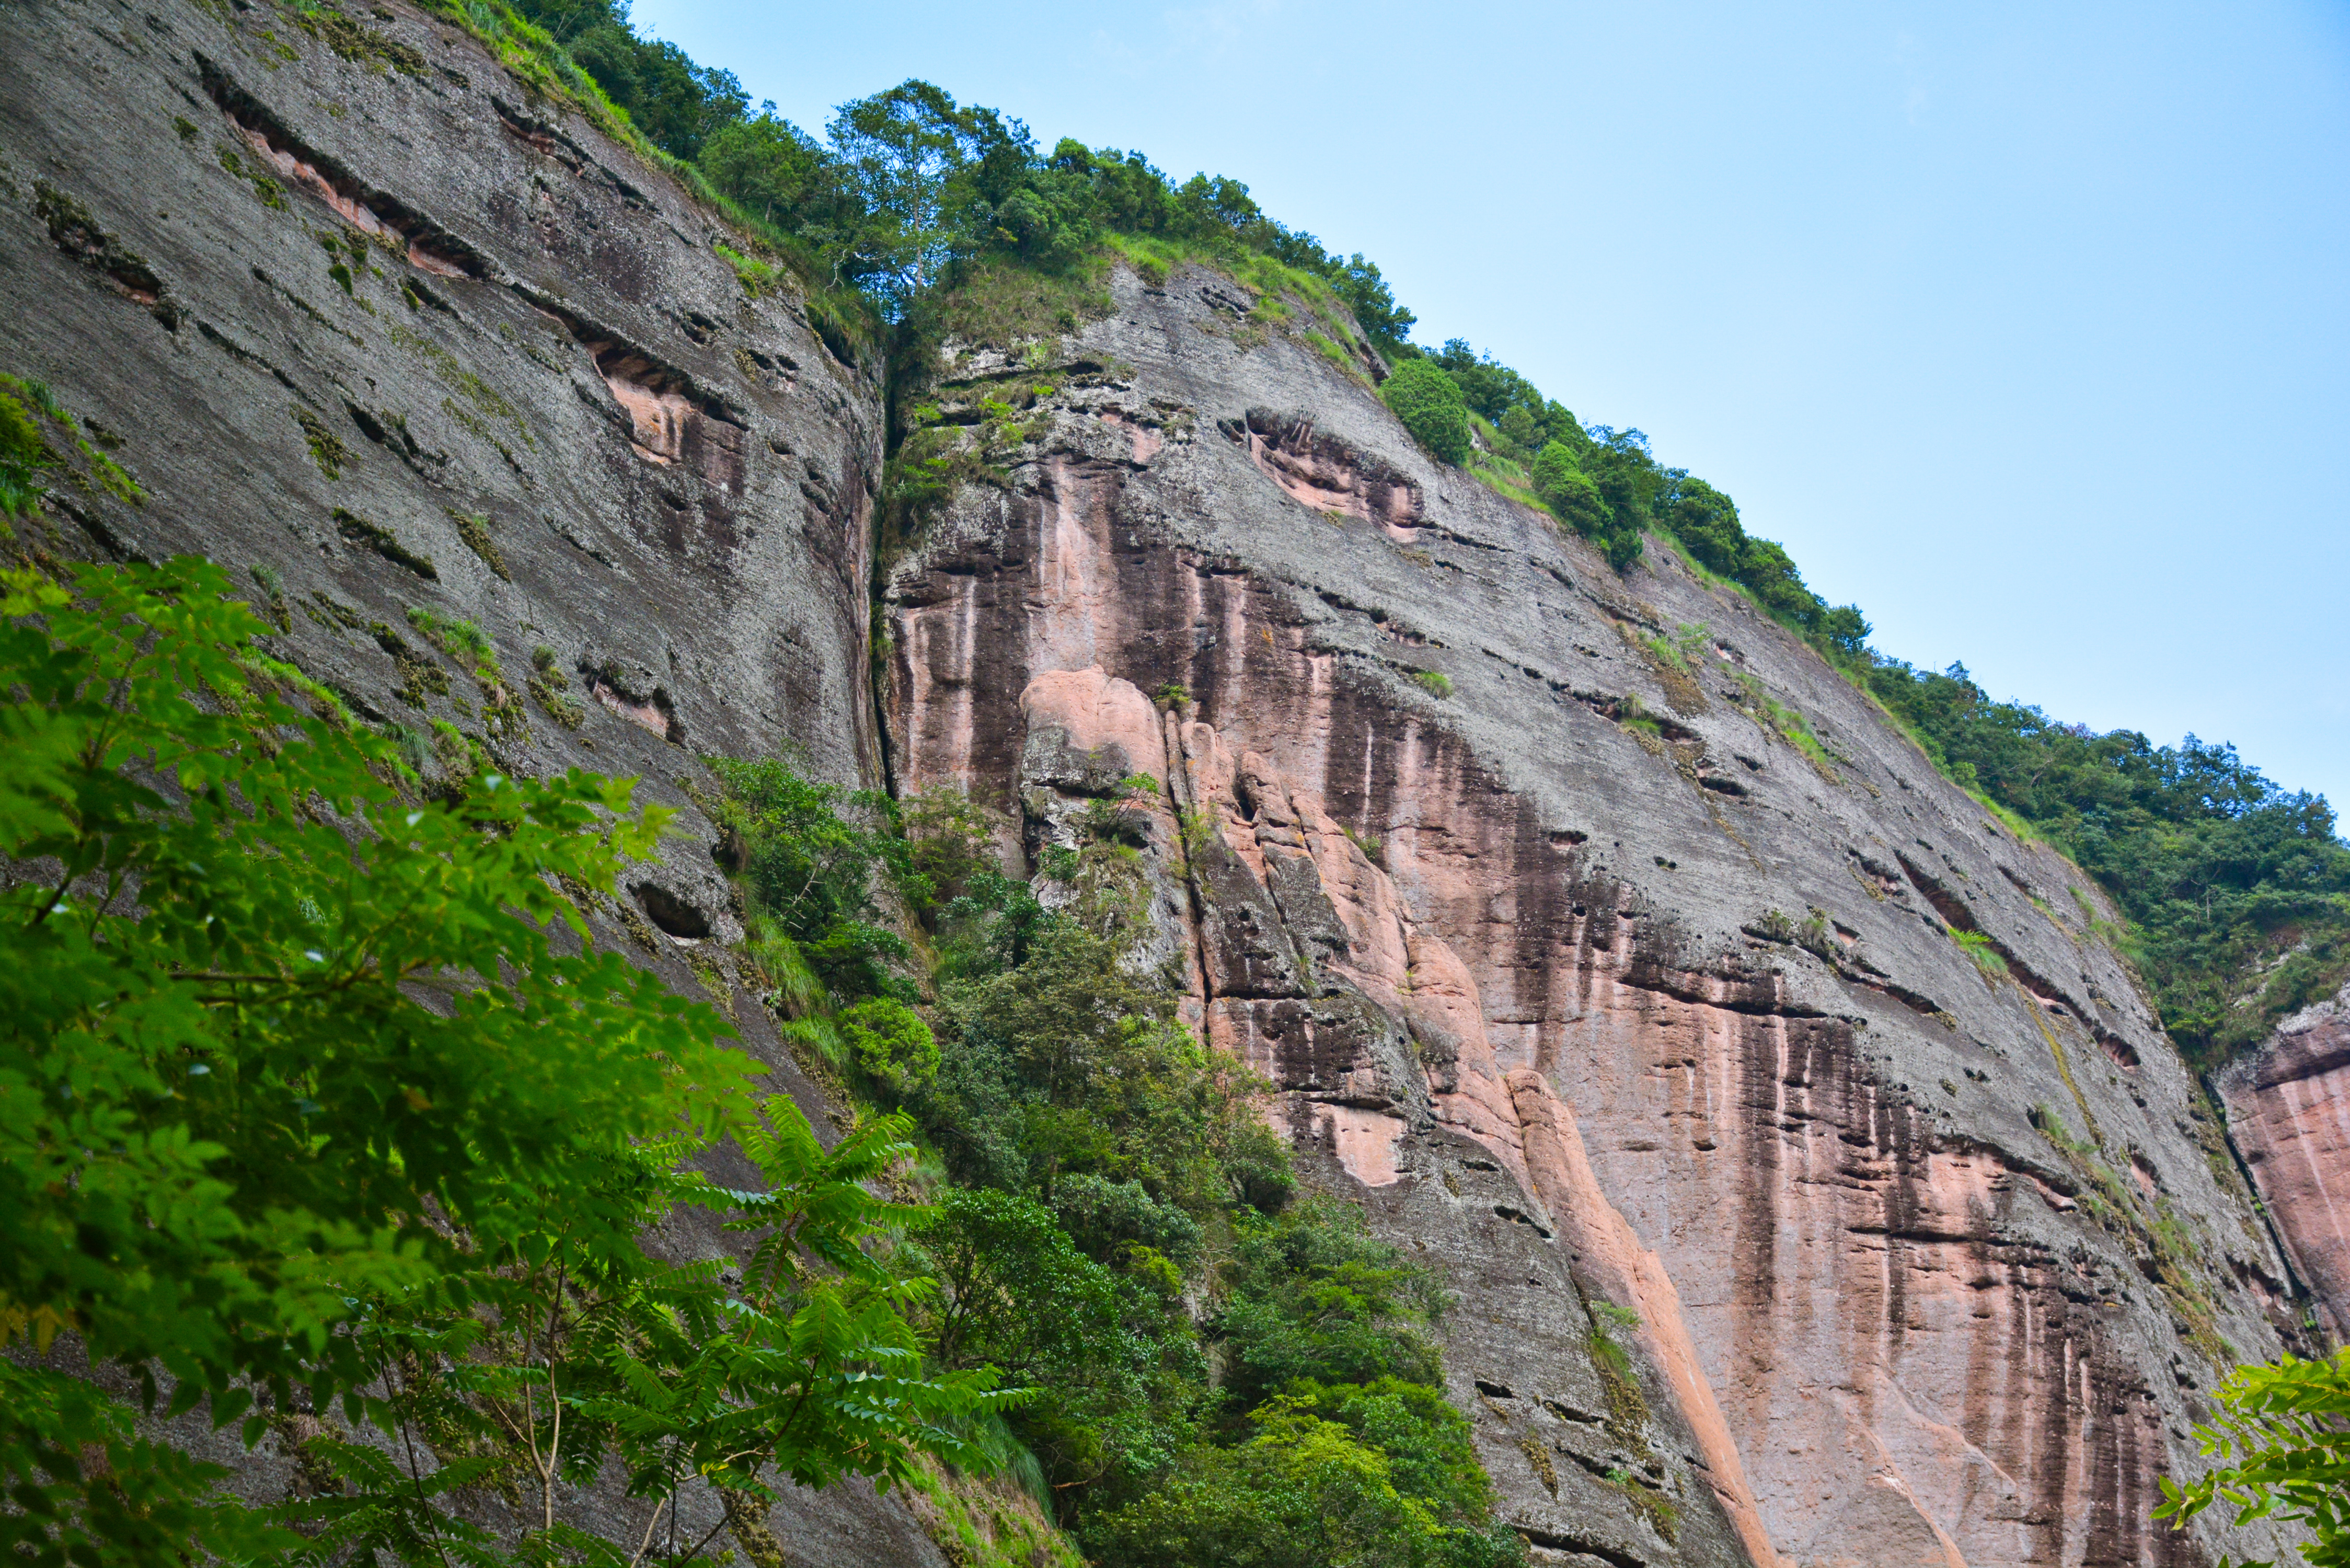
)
(551, 689)
(1434, 683)
(1174, 696)
(1978, 947)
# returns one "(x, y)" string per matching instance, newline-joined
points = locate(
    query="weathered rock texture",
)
(1784, 1229)
(378, 322)
(1597, 983)
(2289, 1109)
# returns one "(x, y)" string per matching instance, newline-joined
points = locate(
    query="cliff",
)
(2286, 1103)
(1622, 976)
(356, 308)
(1815, 1186)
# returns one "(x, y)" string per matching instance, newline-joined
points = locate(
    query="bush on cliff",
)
(1429, 404)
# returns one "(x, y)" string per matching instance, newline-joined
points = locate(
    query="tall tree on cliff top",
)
(910, 153)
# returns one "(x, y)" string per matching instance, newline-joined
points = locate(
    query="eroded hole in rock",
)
(672, 913)
(655, 713)
(670, 418)
(430, 247)
(73, 230)
(1325, 473)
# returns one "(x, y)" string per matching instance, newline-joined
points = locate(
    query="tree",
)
(2282, 1430)
(908, 153)
(1367, 294)
(289, 1053)
(1429, 404)
(678, 104)
(1567, 491)
(771, 167)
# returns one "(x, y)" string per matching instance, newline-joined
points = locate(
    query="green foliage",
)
(1117, 1214)
(812, 875)
(1315, 1297)
(228, 1114)
(803, 1361)
(327, 448)
(1434, 683)
(1977, 948)
(23, 453)
(1523, 416)
(1430, 407)
(772, 167)
(2282, 1433)
(1381, 1474)
(1577, 499)
(890, 1043)
(331, 1121)
(678, 105)
(2239, 892)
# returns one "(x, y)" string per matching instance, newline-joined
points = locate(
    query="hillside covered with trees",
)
(1057, 1241)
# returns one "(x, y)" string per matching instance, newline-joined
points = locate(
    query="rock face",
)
(2289, 1109)
(1625, 982)
(1816, 1187)
(357, 309)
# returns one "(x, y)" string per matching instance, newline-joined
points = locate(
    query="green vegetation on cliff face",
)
(2238, 891)
(1228, 1371)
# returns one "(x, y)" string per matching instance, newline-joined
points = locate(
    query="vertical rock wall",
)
(1623, 980)
(2289, 1109)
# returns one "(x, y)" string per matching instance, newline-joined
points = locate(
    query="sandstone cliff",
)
(1628, 975)
(1621, 982)
(2287, 1104)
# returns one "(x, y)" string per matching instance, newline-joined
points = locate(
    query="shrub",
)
(891, 1043)
(1429, 404)
(1434, 683)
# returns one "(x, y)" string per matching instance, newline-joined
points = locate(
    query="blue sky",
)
(2026, 327)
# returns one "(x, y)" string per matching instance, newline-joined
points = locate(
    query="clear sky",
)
(2025, 325)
